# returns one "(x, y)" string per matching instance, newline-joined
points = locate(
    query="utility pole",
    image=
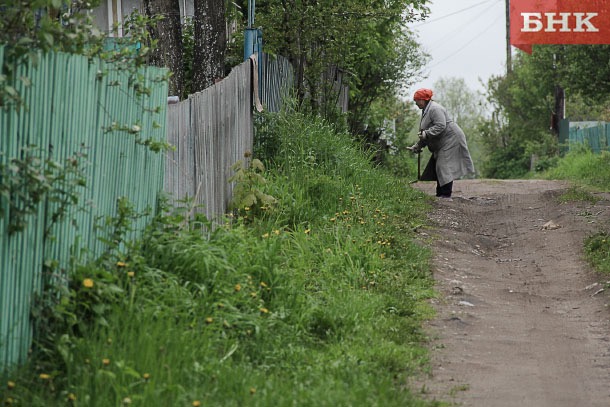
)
(509, 62)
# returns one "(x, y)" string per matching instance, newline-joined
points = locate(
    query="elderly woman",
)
(446, 141)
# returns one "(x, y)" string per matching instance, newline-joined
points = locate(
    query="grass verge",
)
(313, 294)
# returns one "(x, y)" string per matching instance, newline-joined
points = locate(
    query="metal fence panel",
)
(68, 106)
(211, 131)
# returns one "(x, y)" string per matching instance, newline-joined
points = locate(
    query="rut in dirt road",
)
(522, 319)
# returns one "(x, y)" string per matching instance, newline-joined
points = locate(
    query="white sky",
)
(466, 39)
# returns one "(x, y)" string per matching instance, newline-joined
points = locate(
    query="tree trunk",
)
(210, 43)
(168, 33)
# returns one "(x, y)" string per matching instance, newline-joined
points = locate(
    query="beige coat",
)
(445, 139)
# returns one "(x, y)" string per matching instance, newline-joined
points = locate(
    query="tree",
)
(210, 43)
(167, 30)
(463, 104)
(369, 41)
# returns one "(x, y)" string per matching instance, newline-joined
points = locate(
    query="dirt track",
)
(520, 320)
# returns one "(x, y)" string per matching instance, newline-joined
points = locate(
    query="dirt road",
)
(522, 320)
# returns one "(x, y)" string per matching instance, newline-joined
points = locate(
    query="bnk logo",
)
(562, 22)
(559, 22)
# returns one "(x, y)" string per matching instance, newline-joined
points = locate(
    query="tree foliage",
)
(369, 42)
(524, 101)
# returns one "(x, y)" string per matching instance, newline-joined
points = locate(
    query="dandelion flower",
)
(105, 361)
(126, 401)
(44, 376)
(209, 320)
(277, 232)
(146, 376)
(10, 385)
(121, 264)
(71, 397)
(307, 231)
(131, 274)
(264, 310)
(266, 235)
(196, 403)
(237, 287)
(263, 284)
(88, 283)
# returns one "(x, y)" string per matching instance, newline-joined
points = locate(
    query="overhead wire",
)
(467, 43)
(451, 14)
(468, 22)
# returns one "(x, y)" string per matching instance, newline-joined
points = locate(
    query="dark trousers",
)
(444, 190)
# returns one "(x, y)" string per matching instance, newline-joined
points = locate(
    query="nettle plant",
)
(249, 199)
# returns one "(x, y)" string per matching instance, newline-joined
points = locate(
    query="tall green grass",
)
(583, 167)
(317, 300)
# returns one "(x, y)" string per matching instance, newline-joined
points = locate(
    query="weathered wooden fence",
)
(213, 129)
(69, 109)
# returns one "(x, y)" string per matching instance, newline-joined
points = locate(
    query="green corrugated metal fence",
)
(594, 134)
(68, 106)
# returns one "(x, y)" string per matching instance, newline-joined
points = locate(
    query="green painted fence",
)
(594, 134)
(69, 107)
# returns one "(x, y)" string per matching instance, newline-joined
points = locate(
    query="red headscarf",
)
(423, 94)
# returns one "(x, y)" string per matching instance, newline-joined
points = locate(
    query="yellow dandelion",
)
(121, 264)
(146, 376)
(71, 397)
(9, 401)
(126, 401)
(277, 232)
(252, 390)
(332, 219)
(382, 256)
(88, 283)
(209, 320)
(265, 236)
(264, 310)
(263, 284)
(44, 376)
(247, 208)
(237, 287)
(10, 385)
(253, 295)
(131, 274)
(196, 403)
(105, 362)
(307, 231)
